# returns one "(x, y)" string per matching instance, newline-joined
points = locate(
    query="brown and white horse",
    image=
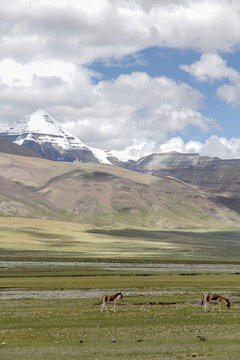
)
(211, 298)
(107, 299)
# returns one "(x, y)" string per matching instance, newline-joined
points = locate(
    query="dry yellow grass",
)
(68, 239)
(22, 234)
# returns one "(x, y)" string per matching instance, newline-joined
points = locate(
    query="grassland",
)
(46, 239)
(144, 327)
(76, 279)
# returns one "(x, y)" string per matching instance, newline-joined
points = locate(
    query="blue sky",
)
(156, 61)
(131, 76)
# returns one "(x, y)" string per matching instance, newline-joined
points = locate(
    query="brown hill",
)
(108, 195)
(16, 200)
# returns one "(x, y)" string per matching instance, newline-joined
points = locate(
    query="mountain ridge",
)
(41, 133)
(210, 172)
(109, 196)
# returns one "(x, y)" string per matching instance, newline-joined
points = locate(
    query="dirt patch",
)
(77, 294)
(184, 269)
(98, 293)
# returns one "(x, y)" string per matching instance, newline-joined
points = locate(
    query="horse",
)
(211, 298)
(107, 299)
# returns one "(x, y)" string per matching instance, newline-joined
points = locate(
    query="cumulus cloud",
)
(81, 31)
(47, 46)
(212, 67)
(230, 93)
(112, 113)
(137, 106)
(14, 72)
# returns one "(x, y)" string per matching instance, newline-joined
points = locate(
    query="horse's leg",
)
(114, 306)
(205, 306)
(219, 306)
(106, 308)
(103, 306)
(213, 307)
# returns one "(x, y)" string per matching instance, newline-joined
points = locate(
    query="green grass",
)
(144, 327)
(54, 329)
(62, 278)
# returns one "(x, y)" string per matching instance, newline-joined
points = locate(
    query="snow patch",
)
(101, 155)
(122, 155)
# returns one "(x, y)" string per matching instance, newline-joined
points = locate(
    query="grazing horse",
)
(107, 299)
(210, 298)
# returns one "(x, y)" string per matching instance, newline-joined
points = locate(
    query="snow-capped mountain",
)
(42, 133)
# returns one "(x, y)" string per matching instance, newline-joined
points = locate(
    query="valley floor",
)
(160, 316)
(53, 275)
(37, 239)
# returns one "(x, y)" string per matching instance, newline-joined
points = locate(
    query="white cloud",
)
(12, 72)
(137, 150)
(230, 93)
(211, 67)
(81, 31)
(46, 44)
(213, 146)
(138, 106)
(90, 7)
(111, 113)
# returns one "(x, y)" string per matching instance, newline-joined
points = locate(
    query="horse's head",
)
(121, 295)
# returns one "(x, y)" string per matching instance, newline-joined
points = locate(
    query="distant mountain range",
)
(210, 172)
(41, 135)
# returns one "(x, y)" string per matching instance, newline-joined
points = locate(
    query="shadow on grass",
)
(158, 234)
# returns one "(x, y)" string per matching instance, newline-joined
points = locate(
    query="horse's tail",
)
(203, 300)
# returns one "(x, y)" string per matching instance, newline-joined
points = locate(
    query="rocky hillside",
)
(210, 172)
(9, 147)
(108, 195)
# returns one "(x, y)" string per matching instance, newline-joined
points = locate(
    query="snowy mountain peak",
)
(39, 122)
(41, 132)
